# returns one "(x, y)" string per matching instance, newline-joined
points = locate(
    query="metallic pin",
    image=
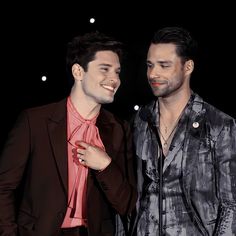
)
(195, 125)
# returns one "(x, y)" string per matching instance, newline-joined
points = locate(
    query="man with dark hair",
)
(72, 159)
(185, 148)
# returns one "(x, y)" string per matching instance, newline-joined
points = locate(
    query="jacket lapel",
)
(194, 132)
(58, 135)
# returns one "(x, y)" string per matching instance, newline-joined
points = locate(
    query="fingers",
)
(81, 160)
(79, 153)
(81, 144)
(90, 156)
(80, 149)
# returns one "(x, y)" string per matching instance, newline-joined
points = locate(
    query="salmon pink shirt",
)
(78, 129)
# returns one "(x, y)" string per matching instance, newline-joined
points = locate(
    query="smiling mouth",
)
(156, 83)
(110, 88)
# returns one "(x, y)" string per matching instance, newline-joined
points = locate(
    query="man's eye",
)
(149, 65)
(165, 66)
(104, 69)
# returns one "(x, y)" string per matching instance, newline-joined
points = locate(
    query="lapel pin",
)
(195, 124)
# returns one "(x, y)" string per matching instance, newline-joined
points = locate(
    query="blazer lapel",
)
(194, 131)
(105, 126)
(58, 136)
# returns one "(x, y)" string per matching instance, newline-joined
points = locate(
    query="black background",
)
(34, 37)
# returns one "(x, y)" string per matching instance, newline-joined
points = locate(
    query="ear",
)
(77, 72)
(188, 67)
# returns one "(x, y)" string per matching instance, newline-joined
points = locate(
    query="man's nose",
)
(154, 73)
(113, 77)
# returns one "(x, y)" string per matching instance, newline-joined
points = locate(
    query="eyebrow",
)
(105, 64)
(160, 61)
(109, 65)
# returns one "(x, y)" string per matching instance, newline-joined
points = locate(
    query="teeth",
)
(108, 87)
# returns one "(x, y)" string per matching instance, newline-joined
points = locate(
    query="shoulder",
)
(218, 122)
(217, 116)
(108, 120)
(106, 116)
(212, 114)
(144, 113)
(52, 110)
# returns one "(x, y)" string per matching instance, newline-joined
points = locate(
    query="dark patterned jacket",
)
(199, 174)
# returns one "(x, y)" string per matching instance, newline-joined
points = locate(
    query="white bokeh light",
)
(92, 20)
(136, 107)
(44, 78)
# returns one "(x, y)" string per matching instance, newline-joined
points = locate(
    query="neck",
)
(170, 110)
(86, 108)
(171, 107)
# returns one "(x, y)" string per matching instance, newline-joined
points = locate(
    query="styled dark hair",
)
(82, 49)
(186, 46)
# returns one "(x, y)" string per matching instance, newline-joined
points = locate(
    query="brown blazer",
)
(34, 161)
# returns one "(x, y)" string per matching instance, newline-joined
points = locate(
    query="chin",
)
(159, 93)
(106, 101)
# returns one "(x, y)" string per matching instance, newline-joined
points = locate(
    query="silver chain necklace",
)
(167, 140)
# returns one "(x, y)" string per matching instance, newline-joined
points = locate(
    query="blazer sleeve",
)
(225, 151)
(118, 179)
(13, 159)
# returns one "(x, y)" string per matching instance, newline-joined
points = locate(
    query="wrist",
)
(105, 166)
